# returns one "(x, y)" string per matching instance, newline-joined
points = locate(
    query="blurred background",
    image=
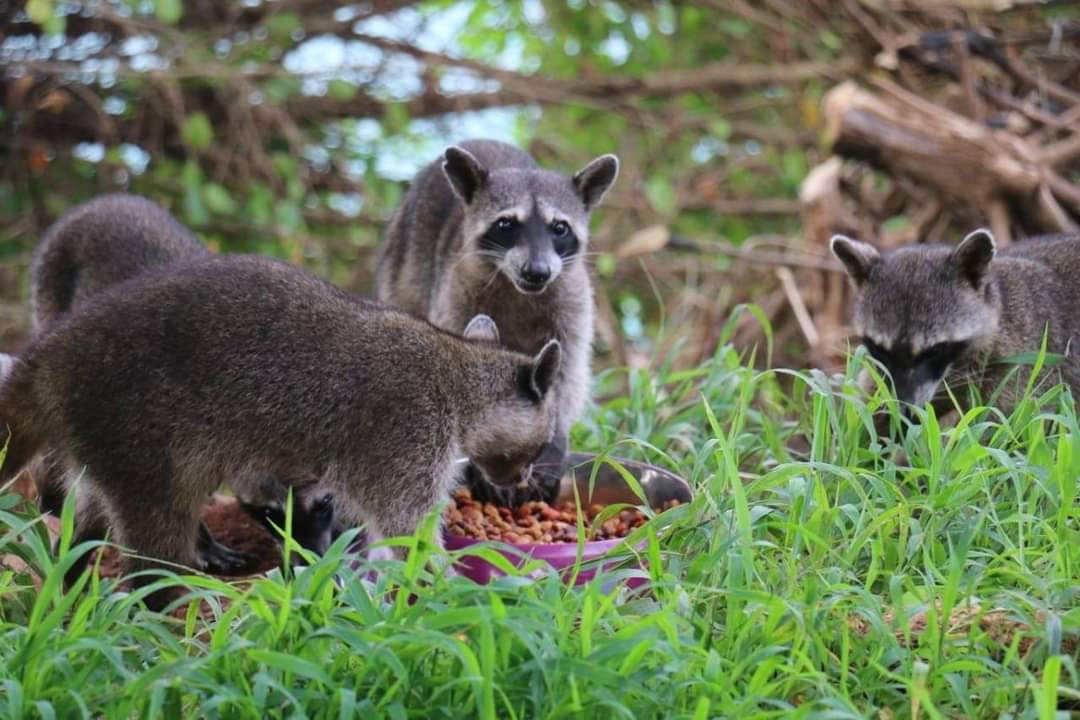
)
(749, 132)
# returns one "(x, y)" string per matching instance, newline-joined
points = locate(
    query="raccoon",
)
(485, 230)
(99, 244)
(235, 369)
(105, 242)
(313, 525)
(931, 313)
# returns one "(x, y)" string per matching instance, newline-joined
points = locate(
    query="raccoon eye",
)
(503, 233)
(559, 228)
(323, 506)
(940, 355)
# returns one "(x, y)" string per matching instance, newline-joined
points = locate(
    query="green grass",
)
(818, 573)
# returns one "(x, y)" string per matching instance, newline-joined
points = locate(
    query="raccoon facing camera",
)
(485, 230)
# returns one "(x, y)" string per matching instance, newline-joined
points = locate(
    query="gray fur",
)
(933, 312)
(235, 369)
(99, 244)
(440, 260)
(105, 242)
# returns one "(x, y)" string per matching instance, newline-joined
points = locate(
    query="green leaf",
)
(55, 25)
(191, 178)
(40, 11)
(218, 199)
(661, 194)
(1031, 357)
(260, 205)
(395, 119)
(794, 166)
(605, 264)
(292, 664)
(720, 128)
(288, 215)
(896, 223)
(168, 11)
(197, 131)
(341, 90)
(282, 25)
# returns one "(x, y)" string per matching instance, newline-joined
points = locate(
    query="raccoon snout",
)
(535, 274)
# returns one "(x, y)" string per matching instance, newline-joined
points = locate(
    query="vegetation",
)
(290, 127)
(821, 571)
(817, 573)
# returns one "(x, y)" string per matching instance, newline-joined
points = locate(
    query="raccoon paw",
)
(548, 469)
(216, 559)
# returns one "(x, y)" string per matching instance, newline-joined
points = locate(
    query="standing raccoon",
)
(235, 369)
(486, 230)
(105, 242)
(930, 313)
(91, 247)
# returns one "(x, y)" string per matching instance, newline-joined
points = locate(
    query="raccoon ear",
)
(972, 256)
(464, 171)
(593, 181)
(482, 329)
(544, 368)
(857, 257)
(7, 364)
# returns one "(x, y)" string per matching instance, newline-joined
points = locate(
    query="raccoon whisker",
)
(490, 281)
(464, 255)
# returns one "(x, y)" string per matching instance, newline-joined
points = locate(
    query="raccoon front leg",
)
(549, 466)
(159, 527)
(50, 472)
(91, 523)
(396, 511)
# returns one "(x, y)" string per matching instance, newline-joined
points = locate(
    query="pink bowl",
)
(561, 556)
(608, 487)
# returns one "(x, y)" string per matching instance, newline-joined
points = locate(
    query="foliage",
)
(289, 128)
(817, 573)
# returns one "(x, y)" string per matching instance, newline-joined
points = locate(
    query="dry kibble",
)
(535, 522)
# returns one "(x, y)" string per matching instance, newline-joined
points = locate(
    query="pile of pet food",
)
(537, 521)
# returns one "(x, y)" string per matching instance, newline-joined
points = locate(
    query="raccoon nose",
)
(536, 272)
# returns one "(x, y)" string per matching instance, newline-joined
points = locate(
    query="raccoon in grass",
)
(236, 369)
(485, 230)
(105, 242)
(933, 313)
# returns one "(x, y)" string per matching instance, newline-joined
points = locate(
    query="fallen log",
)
(964, 161)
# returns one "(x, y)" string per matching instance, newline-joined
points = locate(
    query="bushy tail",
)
(20, 433)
